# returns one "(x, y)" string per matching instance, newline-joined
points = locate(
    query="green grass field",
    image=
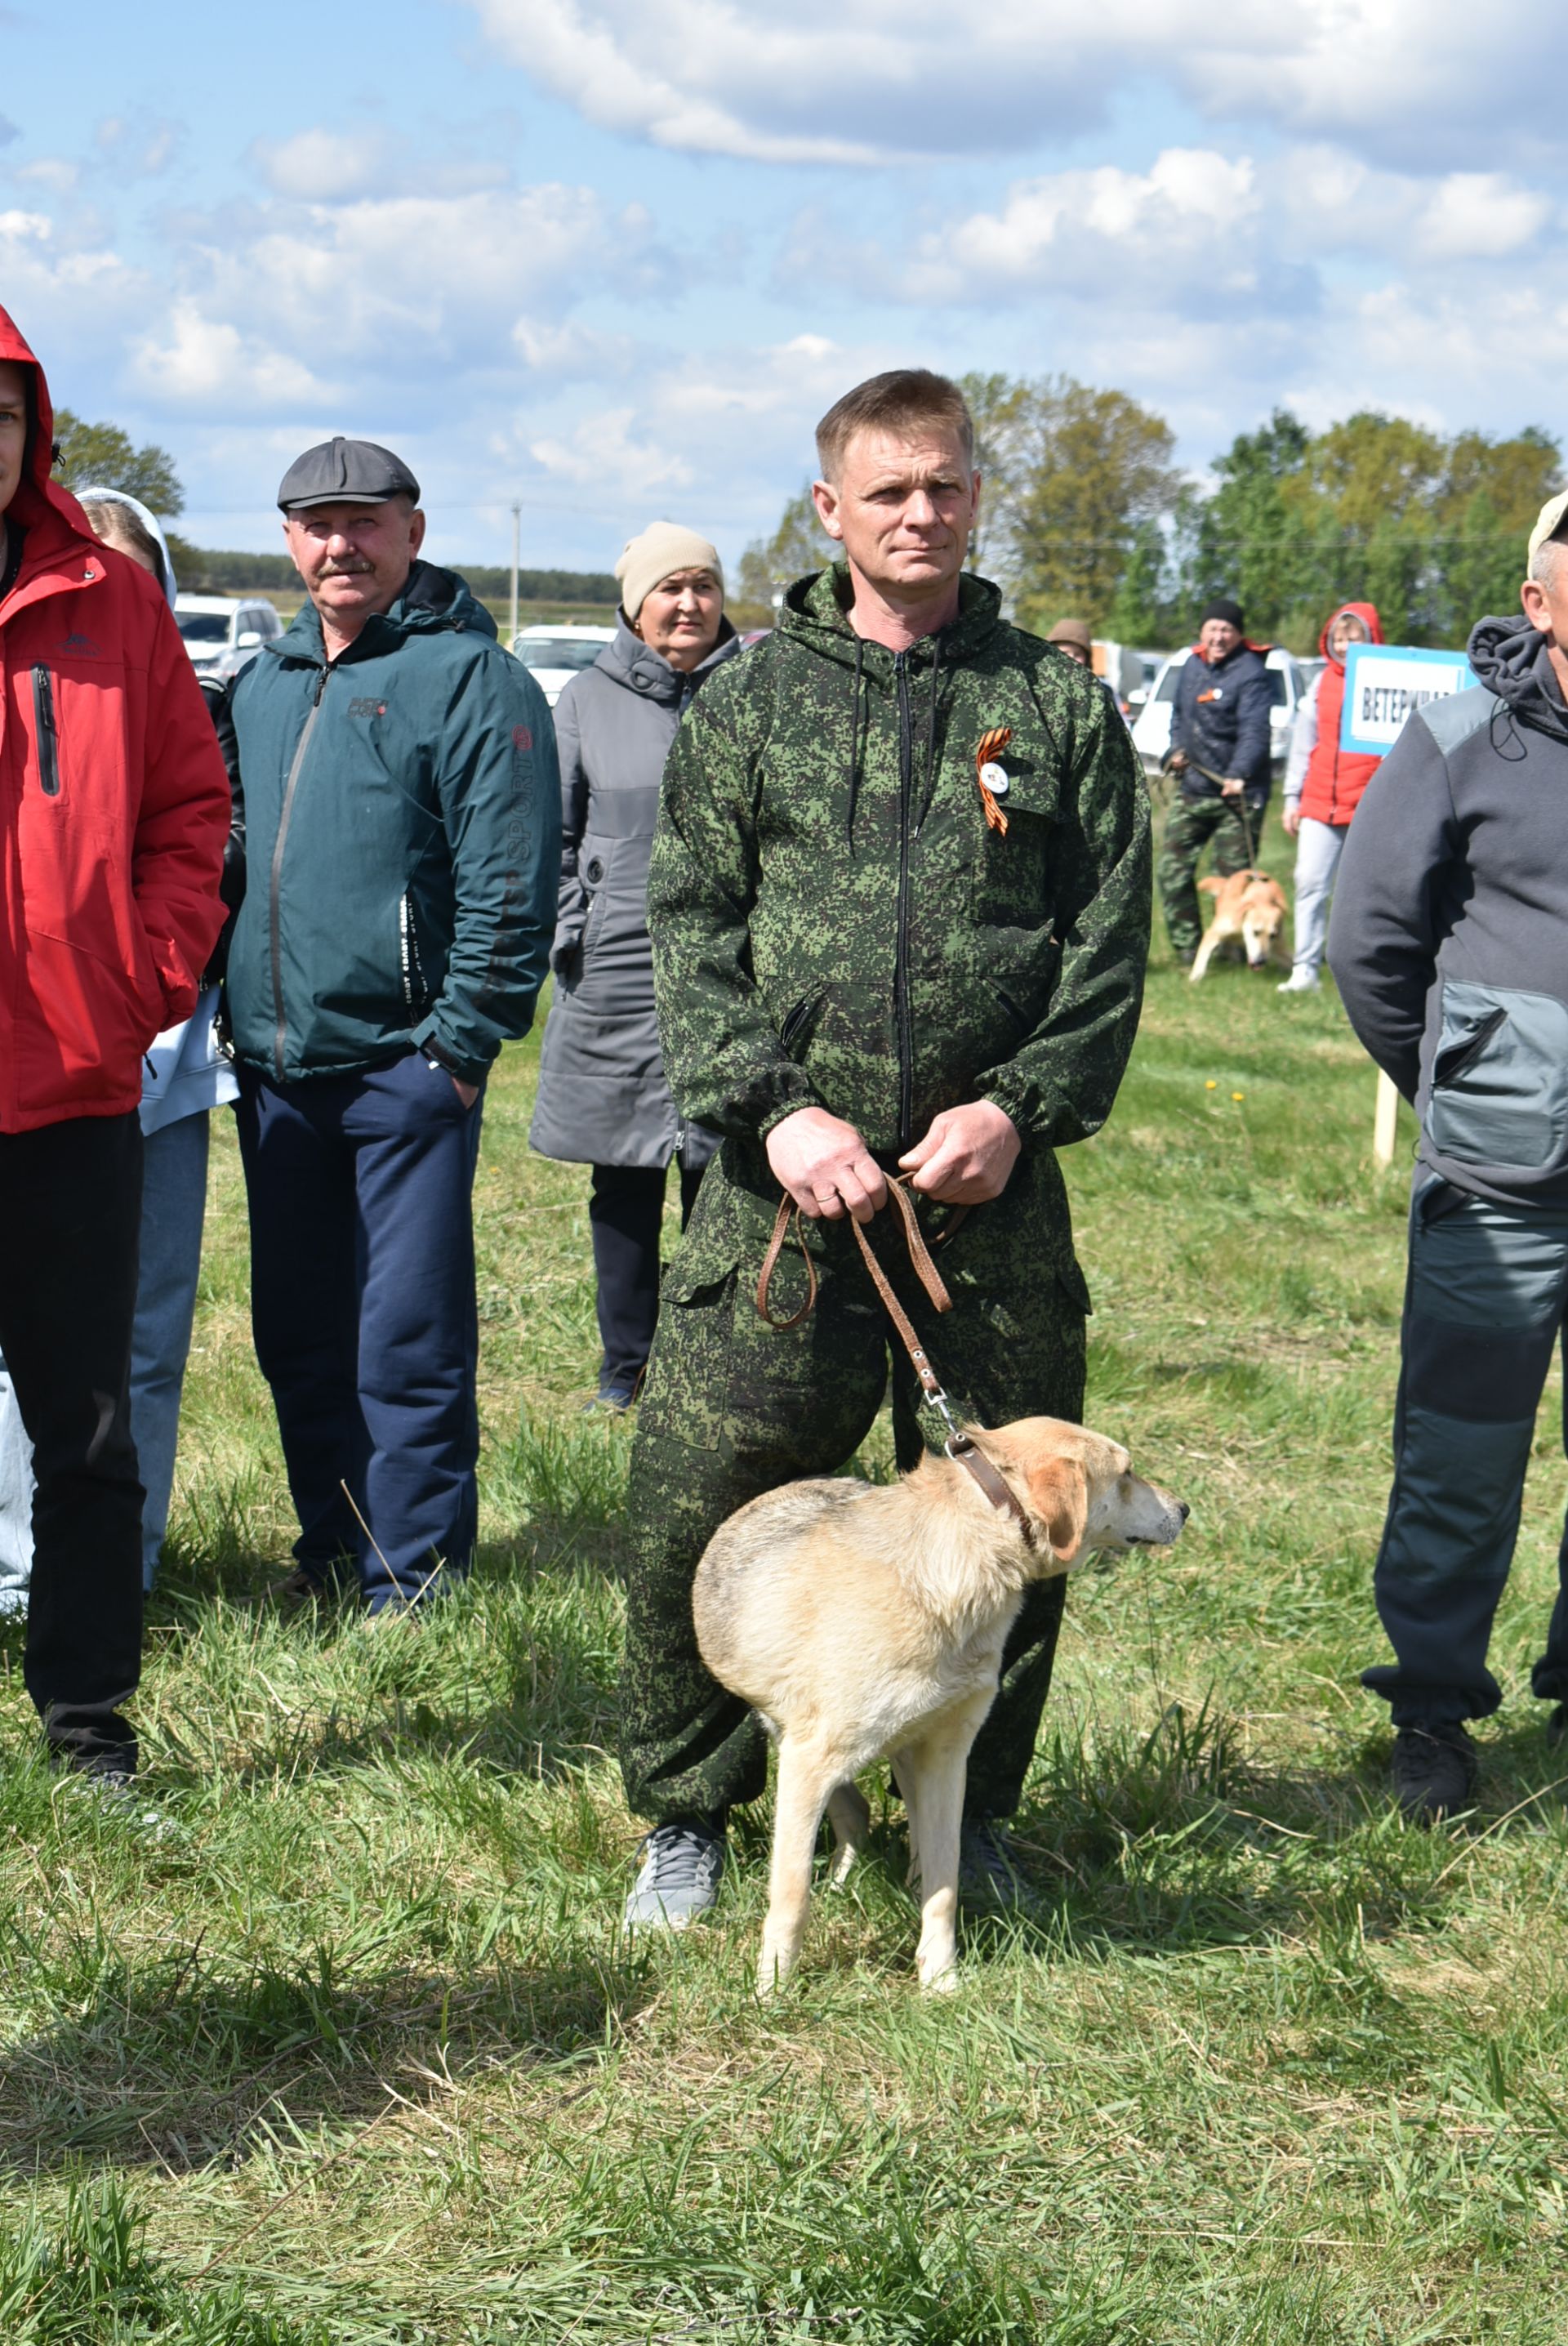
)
(356, 2055)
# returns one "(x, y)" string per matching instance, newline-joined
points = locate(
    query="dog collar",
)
(960, 1446)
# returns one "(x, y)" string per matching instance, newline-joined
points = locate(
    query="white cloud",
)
(207, 362)
(139, 145)
(324, 165)
(415, 283)
(572, 354)
(1480, 216)
(603, 453)
(856, 81)
(51, 171)
(1190, 216)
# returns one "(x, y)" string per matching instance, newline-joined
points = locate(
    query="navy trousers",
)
(625, 1216)
(365, 1320)
(1485, 1300)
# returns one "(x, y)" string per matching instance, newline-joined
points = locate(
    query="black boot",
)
(1433, 1770)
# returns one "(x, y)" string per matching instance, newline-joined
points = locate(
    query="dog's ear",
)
(1059, 1494)
(1210, 886)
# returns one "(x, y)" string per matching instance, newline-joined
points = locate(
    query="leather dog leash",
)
(958, 1445)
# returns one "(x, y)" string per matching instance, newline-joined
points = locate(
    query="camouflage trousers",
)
(733, 1408)
(1189, 826)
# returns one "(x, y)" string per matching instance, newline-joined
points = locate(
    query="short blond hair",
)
(902, 401)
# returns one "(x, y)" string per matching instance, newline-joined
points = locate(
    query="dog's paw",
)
(941, 1979)
(843, 1864)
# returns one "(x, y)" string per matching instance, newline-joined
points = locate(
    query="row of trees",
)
(1086, 512)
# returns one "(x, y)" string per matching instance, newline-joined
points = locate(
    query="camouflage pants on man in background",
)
(1189, 826)
(734, 1407)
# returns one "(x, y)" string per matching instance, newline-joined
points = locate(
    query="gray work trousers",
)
(1484, 1303)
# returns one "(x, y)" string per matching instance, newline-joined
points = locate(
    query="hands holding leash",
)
(965, 1160)
(967, 1156)
(1176, 761)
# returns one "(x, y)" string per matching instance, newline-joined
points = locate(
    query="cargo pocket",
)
(688, 1391)
(1499, 1078)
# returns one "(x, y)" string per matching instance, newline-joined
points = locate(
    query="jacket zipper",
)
(900, 964)
(416, 991)
(275, 917)
(48, 735)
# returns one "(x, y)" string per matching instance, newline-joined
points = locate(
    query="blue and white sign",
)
(1386, 683)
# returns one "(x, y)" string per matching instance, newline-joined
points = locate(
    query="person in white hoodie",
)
(184, 1076)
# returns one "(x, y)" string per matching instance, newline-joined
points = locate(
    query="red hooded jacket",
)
(1332, 785)
(114, 808)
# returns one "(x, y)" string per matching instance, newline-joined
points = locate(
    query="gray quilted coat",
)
(602, 1098)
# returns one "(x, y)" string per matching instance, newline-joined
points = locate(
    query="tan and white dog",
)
(864, 1620)
(1249, 909)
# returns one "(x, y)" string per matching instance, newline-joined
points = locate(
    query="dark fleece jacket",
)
(1450, 942)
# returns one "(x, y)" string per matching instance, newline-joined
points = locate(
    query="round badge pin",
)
(994, 777)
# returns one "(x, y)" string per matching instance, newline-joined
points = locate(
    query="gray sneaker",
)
(678, 1879)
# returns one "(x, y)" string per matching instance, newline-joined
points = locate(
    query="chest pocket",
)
(1012, 868)
(63, 703)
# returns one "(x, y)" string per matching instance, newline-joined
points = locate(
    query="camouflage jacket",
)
(835, 924)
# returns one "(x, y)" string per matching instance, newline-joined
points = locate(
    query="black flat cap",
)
(345, 473)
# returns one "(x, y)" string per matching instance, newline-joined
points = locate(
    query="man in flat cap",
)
(1449, 948)
(401, 812)
(1220, 754)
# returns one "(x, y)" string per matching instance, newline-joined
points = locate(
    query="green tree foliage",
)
(1093, 469)
(102, 455)
(1373, 509)
(799, 545)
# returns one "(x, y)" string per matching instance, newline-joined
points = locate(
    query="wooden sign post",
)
(1385, 1120)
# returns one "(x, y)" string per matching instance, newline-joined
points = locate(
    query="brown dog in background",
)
(1249, 909)
(863, 1620)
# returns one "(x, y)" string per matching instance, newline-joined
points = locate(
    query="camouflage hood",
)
(835, 922)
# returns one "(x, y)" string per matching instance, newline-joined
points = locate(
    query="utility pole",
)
(516, 534)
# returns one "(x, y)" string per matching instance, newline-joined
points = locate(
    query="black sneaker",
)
(987, 1876)
(1433, 1770)
(1557, 1727)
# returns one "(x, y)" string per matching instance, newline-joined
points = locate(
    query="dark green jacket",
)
(402, 823)
(833, 922)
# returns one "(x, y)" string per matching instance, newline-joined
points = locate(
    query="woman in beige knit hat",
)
(603, 1100)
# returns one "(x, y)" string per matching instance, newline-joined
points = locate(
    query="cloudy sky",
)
(614, 257)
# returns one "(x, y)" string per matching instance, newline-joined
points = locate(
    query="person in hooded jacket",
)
(399, 803)
(1220, 751)
(1449, 948)
(184, 1075)
(1323, 787)
(603, 1099)
(114, 813)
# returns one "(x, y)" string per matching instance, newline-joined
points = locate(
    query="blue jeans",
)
(15, 1502)
(364, 1314)
(173, 1208)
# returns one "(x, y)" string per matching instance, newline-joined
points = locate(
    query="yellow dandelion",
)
(1238, 1096)
(1211, 1086)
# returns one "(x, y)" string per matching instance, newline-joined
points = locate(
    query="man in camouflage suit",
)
(857, 971)
(1219, 722)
